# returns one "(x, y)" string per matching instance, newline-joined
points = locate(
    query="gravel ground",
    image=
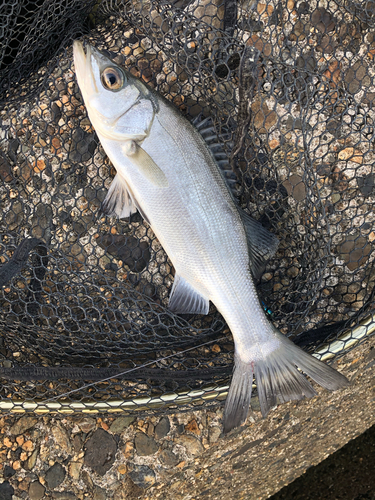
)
(184, 456)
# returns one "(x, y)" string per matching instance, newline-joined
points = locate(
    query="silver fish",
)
(167, 172)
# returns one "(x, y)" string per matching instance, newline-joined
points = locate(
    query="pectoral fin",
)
(145, 164)
(120, 201)
(185, 299)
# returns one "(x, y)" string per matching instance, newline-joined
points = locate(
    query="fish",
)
(166, 171)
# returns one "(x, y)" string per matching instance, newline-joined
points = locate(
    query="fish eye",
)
(112, 78)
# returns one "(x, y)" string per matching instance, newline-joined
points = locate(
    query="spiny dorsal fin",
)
(185, 299)
(262, 244)
(215, 143)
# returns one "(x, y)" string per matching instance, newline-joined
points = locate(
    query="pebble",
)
(22, 425)
(6, 491)
(64, 495)
(162, 428)
(100, 451)
(99, 494)
(122, 469)
(20, 440)
(357, 77)
(7, 442)
(28, 445)
(369, 98)
(264, 118)
(259, 44)
(323, 20)
(55, 113)
(355, 250)
(126, 490)
(300, 30)
(351, 154)
(214, 434)
(32, 460)
(13, 146)
(274, 143)
(128, 449)
(142, 476)
(295, 187)
(292, 271)
(8, 471)
(134, 253)
(24, 484)
(79, 228)
(295, 123)
(83, 146)
(156, 65)
(36, 491)
(120, 424)
(61, 439)
(86, 478)
(167, 457)
(75, 469)
(191, 443)
(5, 170)
(192, 426)
(366, 184)
(145, 445)
(334, 127)
(87, 424)
(335, 197)
(55, 476)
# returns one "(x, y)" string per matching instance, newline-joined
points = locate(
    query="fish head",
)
(119, 105)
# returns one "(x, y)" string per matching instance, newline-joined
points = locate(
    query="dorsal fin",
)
(215, 143)
(261, 242)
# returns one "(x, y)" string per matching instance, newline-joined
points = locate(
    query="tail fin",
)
(239, 395)
(276, 377)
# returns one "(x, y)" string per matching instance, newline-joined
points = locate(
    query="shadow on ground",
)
(348, 474)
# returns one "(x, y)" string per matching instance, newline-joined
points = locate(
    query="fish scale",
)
(167, 171)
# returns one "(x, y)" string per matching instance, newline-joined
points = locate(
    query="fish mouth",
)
(80, 56)
(79, 52)
(83, 54)
(89, 63)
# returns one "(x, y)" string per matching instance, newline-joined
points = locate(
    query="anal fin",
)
(185, 299)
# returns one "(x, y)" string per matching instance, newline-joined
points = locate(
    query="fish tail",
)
(277, 379)
(239, 395)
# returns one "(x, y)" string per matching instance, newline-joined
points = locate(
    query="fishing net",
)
(289, 90)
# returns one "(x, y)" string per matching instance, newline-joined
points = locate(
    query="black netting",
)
(289, 87)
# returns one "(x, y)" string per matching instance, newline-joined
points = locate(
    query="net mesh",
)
(289, 87)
